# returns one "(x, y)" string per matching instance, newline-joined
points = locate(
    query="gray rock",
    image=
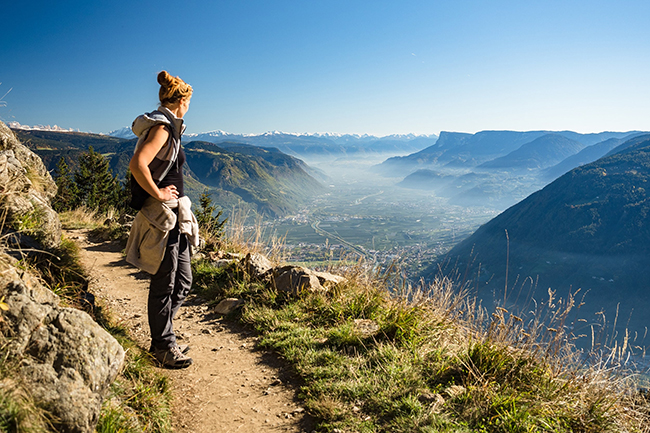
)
(222, 263)
(228, 305)
(27, 189)
(257, 265)
(66, 360)
(366, 327)
(328, 280)
(295, 279)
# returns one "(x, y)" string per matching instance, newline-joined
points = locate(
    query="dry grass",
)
(18, 410)
(245, 234)
(81, 218)
(377, 354)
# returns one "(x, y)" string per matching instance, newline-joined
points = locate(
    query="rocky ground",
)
(232, 386)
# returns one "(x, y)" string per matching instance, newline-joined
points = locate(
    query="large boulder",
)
(66, 360)
(26, 191)
(296, 279)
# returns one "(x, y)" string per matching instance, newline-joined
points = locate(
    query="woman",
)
(156, 166)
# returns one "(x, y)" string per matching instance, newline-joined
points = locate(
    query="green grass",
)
(139, 399)
(428, 363)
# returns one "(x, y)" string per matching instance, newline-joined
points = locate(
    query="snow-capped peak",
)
(122, 133)
(17, 125)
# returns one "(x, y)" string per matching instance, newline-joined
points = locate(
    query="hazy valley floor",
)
(231, 387)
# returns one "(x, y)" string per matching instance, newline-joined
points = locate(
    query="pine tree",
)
(209, 224)
(98, 188)
(67, 195)
(125, 193)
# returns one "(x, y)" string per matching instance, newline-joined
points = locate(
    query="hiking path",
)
(231, 386)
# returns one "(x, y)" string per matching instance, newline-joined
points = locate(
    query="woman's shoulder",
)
(147, 121)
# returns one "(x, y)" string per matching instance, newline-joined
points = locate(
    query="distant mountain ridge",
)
(542, 152)
(589, 229)
(585, 156)
(496, 168)
(463, 150)
(325, 144)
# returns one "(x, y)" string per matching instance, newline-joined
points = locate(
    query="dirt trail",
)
(231, 387)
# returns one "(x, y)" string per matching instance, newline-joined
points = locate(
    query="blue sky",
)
(379, 67)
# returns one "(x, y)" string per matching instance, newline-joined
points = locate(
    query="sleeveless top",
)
(175, 175)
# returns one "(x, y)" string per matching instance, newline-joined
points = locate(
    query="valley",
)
(364, 215)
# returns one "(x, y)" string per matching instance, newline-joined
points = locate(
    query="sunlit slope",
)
(589, 229)
(275, 182)
(263, 179)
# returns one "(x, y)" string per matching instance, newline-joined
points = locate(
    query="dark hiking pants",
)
(168, 289)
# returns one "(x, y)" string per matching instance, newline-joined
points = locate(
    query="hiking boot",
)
(183, 347)
(172, 357)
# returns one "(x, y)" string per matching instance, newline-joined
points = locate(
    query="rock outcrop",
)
(59, 355)
(67, 361)
(288, 278)
(26, 189)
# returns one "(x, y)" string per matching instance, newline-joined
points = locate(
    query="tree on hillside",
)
(124, 196)
(98, 188)
(210, 226)
(67, 195)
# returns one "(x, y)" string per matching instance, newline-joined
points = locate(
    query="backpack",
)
(138, 194)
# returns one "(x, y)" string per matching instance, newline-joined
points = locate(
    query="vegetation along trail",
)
(231, 387)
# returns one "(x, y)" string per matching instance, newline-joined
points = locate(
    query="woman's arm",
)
(141, 159)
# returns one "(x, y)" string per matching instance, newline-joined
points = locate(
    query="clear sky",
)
(379, 67)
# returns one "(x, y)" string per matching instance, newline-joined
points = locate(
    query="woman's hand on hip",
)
(167, 193)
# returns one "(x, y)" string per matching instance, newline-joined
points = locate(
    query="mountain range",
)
(310, 145)
(497, 168)
(462, 150)
(261, 179)
(587, 230)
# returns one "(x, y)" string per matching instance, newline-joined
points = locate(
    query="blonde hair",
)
(172, 89)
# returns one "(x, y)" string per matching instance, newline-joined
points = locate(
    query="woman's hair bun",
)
(172, 89)
(164, 79)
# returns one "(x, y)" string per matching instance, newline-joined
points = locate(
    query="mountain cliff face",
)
(589, 229)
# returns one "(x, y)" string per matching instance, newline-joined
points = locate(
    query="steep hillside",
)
(262, 179)
(588, 230)
(275, 182)
(585, 156)
(542, 152)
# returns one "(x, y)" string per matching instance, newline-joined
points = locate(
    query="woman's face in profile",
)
(185, 105)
